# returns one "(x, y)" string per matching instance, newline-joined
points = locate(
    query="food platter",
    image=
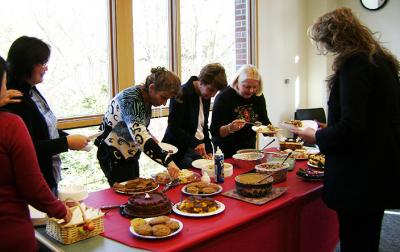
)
(184, 190)
(310, 174)
(133, 191)
(131, 229)
(305, 124)
(169, 148)
(265, 129)
(221, 208)
(200, 163)
(314, 165)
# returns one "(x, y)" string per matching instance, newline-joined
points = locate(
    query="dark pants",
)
(115, 167)
(359, 231)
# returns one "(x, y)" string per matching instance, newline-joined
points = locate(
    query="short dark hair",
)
(26, 52)
(213, 74)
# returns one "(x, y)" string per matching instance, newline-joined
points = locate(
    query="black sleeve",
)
(46, 147)
(220, 114)
(353, 92)
(175, 122)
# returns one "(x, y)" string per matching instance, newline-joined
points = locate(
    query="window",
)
(77, 82)
(150, 36)
(212, 31)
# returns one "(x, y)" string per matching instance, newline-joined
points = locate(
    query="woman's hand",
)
(201, 150)
(236, 125)
(10, 96)
(77, 142)
(173, 170)
(308, 135)
(321, 125)
(67, 218)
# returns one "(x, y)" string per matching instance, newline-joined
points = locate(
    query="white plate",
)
(200, 163)
(306, 124)
(264, 129)
(168, 147)
(158, 237)
(311, 150)
(220, 209)
(201, 194)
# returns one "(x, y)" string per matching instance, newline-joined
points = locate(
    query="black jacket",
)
(361, 142)
(183, 119)
(37, 126)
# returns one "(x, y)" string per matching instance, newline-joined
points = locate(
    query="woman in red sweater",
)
(21, 182)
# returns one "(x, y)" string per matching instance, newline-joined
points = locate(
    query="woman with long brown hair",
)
(362, 138)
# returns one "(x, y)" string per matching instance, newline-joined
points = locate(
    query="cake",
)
(148, 205)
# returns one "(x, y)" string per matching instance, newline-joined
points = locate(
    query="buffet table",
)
(296, 221)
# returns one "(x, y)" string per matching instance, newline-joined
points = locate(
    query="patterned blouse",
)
(125, 127)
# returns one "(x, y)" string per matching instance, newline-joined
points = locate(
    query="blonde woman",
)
(235, 109)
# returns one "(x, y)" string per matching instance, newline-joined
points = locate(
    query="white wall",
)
(282, 28)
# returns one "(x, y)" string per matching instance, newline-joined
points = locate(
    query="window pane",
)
(150, 36)
(213, 31)
(77, 82)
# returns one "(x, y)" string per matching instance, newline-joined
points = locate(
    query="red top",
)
(21, 183)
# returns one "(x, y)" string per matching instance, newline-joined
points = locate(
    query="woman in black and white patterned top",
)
(125, 123)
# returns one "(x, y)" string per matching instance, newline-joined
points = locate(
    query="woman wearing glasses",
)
(27, 59)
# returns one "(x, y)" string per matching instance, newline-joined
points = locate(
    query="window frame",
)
(121, 52)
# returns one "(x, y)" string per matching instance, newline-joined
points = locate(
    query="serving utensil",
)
(263, 179)
(288, 155)
(171, 185)
(268, 144)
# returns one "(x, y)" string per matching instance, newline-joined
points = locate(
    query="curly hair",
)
(340, 32)
(163, 80)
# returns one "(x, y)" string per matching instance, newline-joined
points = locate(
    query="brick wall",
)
(240, 32)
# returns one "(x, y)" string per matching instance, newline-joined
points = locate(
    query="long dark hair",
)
(340, 32)
(24, 54)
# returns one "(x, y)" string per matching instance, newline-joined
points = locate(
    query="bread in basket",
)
(86, 222)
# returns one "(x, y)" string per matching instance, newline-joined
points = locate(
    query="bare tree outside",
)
(78, 80)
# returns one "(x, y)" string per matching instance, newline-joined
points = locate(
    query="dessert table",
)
(298, 220)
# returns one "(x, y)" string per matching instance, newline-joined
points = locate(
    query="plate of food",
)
(310, 174)
(316, 161)
(169, 148)
(208, 207)
(202, 189)
(155, 228)
(137, 185)
(267, 129)
(200, 163)
(297, 124)
(299, 154)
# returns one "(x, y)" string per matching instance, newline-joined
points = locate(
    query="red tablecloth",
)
(296, 221)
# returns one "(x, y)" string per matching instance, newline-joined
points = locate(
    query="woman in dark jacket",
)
(188, 116)
(361, 141)
(27, 61)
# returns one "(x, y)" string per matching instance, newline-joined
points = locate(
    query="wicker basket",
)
(74, 233)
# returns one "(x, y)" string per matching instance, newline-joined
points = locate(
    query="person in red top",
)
(21, 182)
